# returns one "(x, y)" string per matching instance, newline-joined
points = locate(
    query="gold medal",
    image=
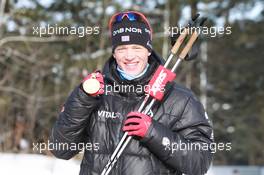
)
(91, 86)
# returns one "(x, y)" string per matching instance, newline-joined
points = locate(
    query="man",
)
(101, 117)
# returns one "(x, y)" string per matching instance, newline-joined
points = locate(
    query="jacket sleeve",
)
(67, 132)
(183, 145)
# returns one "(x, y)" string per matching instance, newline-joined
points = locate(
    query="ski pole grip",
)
(156, 86)
(179, 41)
(189, 45)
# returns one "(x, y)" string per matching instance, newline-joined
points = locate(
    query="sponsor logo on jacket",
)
(108, 114)
(114, 115)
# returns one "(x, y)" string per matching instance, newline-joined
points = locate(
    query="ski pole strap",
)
(156, 86)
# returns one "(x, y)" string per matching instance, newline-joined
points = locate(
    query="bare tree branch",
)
(34, 39)
(27, 58)
(2, 10)
(5, 78)
(26, 95)
(14, 90)
(94, 55)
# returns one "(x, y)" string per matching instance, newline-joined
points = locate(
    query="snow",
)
(31, 164)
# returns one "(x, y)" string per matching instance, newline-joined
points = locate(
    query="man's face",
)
(131, 58)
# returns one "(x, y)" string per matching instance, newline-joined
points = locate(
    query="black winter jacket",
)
(97, 121)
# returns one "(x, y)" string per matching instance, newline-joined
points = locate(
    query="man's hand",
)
(194, 24)
(194, 51)
(137, 124)
(93, 84)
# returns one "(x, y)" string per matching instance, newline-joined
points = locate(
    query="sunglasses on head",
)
(131, 16)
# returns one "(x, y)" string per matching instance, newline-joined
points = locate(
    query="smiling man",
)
(100, 119)
(131, 60)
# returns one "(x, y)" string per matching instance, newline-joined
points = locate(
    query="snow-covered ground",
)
(31, 164)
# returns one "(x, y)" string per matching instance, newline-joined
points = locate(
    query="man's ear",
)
(149, 53)
(114, 56)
